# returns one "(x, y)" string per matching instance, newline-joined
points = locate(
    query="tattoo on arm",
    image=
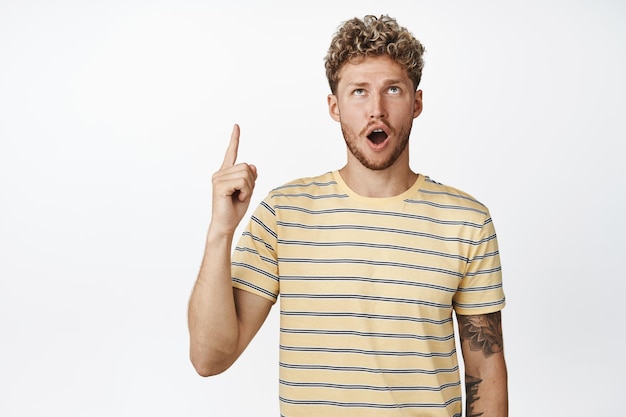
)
(483, 332)
(471, 389)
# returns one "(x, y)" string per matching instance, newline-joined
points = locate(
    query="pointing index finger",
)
(233, 146)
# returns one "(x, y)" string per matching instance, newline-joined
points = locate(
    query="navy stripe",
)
(445, 206)
(484, 271)
(366, 298)
(268, 208)
(367, 334)
(255, 287)
(479, 305)
(255, 269)
(368, 352)
(258, 240)
(378, 213)
(310, 196)
(455, 195)
(366, 387)
(368, 262)
(254, 252)
(260, 223)
(376, 229)
(369, 370)
(373, 246)
(487, 239)
(305, 185)
(365, 316)
(480, 289)
(418, 284)
(486, 255)
(371, 405)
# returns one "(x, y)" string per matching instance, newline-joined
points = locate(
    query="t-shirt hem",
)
(478, 311)
(249, 288)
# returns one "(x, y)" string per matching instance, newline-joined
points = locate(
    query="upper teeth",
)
(378, 130)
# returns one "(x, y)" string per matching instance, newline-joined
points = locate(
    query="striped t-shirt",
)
(367, 288)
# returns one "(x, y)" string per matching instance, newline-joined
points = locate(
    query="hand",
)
(232, 189)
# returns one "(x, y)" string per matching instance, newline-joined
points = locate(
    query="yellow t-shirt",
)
(367, 288)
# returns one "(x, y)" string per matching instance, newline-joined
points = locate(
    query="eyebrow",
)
(367, 83)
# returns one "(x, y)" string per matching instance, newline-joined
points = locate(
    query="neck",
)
(378, 183)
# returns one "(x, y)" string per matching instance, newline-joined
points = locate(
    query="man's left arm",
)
(485, 367)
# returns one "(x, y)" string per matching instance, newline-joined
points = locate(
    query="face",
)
(375, 103)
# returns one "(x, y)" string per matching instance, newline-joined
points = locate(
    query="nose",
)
(377, 107)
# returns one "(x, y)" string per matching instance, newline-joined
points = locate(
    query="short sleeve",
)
(254, 263)
(480, 290)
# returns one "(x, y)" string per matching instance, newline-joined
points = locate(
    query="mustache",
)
(363, 132)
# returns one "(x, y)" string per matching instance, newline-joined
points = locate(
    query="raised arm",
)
(222, 321)
(485, 367)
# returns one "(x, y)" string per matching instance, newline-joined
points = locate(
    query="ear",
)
(333, 107)
(417, 105)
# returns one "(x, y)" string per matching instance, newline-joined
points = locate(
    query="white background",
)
(114, 115)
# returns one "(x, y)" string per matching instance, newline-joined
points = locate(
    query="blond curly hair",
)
(374, 36)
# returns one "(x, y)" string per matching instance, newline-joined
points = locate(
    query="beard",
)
(352, 140)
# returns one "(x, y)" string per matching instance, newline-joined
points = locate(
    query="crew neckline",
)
(379, 200)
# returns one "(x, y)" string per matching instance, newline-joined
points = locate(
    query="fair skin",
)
(375, 103)
(376, 94)
(223, 320)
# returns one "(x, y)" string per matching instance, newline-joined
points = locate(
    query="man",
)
(370, 261)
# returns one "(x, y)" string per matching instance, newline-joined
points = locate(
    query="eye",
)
(394, 90)
(358, 92)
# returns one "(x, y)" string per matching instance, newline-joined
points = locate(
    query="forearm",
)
(212, 316)
(221, 320)
(486, 391)
(485, 368)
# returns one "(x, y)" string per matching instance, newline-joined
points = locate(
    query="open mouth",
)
(377, 136)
